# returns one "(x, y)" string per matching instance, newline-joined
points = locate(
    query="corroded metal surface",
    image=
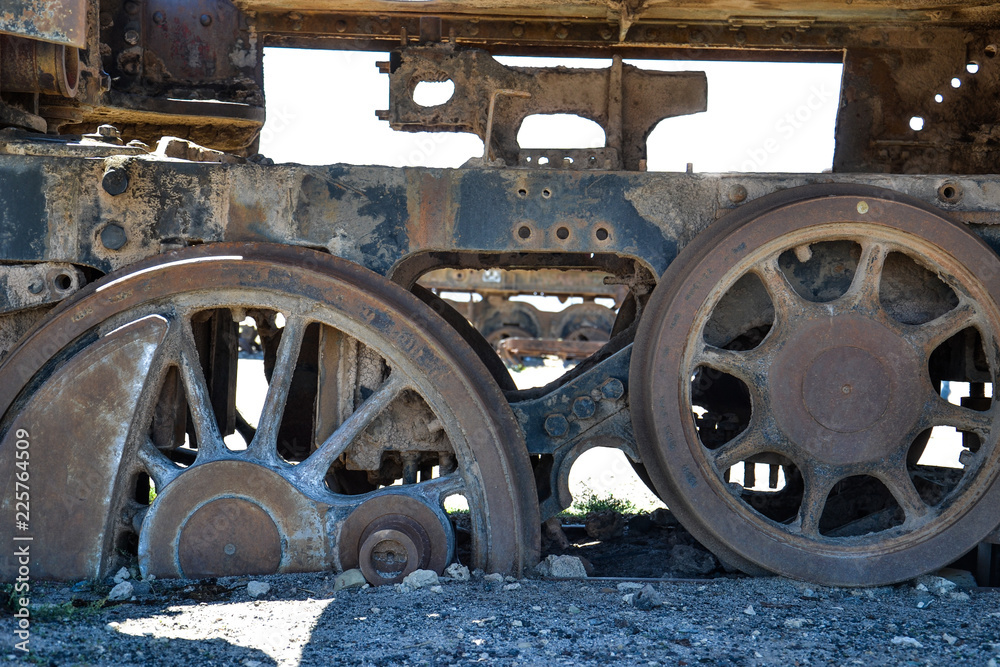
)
(625, 101)
(842, 389)
(217, 509)
(59, 21)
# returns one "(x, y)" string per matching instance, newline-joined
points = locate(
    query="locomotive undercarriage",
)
(804, 325)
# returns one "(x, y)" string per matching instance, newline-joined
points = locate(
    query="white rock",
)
(257, 588)
(795, 622)
(122, 591)
(436, 589)
(936, 585)
(951, 639)
(749, 610)
(494, 577)
(458, 572)
(122, 575)
(562, 567)
(629, 586)
(960, 596)
(511, 587)
(421, 579)
(349, 579)
(517, 624)
(909, 642)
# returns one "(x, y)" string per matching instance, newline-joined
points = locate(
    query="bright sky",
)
(765, 117)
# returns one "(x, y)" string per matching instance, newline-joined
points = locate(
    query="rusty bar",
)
(58, 21)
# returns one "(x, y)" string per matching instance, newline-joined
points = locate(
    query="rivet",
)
(206, 20)
(230, 549)
(737, 194)
(36, 287)
(862, 207)
(340, 26)
(562, 32)
(159, 18)
(132, 37)
(517, 30)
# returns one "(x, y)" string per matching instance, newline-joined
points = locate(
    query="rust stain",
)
(59, 21)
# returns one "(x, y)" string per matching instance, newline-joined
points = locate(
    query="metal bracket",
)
(625, 101)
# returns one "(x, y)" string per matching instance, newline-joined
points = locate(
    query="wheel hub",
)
(844, 387)
(232, 517)
(390, 536)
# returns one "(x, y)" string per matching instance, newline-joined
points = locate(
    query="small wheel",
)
(810, 335)
(130, 387)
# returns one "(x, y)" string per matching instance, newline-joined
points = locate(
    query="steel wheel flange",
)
(840, 388)
(87, 382)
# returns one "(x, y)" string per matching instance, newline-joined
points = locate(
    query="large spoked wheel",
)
(811, 335)
(374, 412)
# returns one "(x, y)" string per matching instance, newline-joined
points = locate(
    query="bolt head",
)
(109, 131)
(113, 237)
(584, 407)
(115, 181)
(556, 426)
(613, 389)
(206, 20)
(159, 18)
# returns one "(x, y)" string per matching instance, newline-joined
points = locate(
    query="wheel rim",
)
(839, 390)
(257, 510)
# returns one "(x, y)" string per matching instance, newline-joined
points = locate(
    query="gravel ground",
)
(302, 621)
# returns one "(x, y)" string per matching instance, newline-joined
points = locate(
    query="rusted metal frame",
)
(803, 40)
(884, 88)
(58, 21)
(386, 219)
(590, 410)
(625, 101)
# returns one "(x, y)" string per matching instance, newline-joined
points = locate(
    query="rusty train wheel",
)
(810, 334)
(128, 384)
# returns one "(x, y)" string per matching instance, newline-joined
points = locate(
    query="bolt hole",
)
(916, 123)
(562, 233)
(543, 160)
(63, 282)
(956, 83)
(939, 98)
(522, 193)
(524, 232)
(950, 193)
(546, 193)
(972, 67)
(602, 234)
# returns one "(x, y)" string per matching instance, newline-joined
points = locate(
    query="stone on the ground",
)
(421, 579)
(749, 610)
(604, 525)
(494, 577)
(962, 578)
(257, 588)
(349, 579)
(122, 575)
(123, 590)
(908, 642)
(562, 567)
(936, 585)
(142, 588)
(685, 559)
(553, 537)
(647, 598)
(663, 518)
(458, 572)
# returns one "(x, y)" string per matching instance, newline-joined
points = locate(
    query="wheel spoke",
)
(942, 413)
(864, 289)
(787, 303)
(817, 490)
(159, 468)
(264, 444)
(751, 441)
(312, 471)
(745, 365)
(930, 335)
(206, 428)
(902, 489)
